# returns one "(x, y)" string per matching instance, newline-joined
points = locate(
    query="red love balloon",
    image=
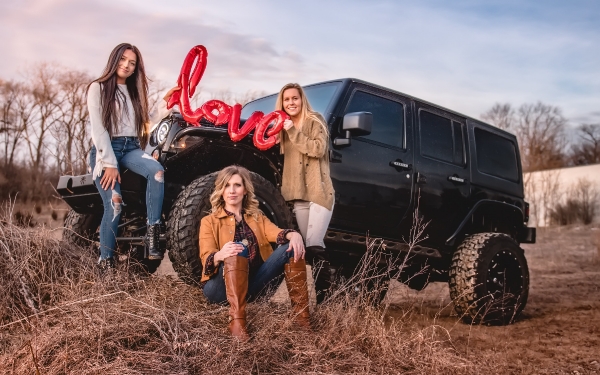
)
(262, 128)
(223, 109)
(235, 133)
(264, 137)
(188, 83)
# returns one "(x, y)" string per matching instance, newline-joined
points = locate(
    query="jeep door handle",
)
(456, 179)
(400, 165)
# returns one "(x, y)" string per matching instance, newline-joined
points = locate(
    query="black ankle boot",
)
(153, 242)
(318, 259)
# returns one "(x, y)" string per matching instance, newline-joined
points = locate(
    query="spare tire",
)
(193, 203)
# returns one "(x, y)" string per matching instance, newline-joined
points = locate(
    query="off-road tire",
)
(82, 230)
(79, 229)
(489, 279)
(193, 203)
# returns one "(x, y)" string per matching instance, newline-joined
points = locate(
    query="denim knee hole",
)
(160, 176)
(116, 203)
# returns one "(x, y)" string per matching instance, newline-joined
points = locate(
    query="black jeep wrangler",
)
(393, 158)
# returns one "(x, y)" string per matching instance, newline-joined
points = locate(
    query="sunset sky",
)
(465, 55)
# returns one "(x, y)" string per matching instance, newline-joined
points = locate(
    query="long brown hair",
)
(111, 99)
(249, 204)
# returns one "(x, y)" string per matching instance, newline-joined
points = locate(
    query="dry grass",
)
(60, 317)
(559, 330)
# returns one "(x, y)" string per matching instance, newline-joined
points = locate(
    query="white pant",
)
(313, 221)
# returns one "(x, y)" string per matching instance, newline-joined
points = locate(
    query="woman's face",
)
(126, 66)
(292, 104)
(234, 192)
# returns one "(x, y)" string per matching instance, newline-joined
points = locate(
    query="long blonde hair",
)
(306, 112)
(249, 204)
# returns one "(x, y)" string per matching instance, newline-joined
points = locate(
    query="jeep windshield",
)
(319, 96)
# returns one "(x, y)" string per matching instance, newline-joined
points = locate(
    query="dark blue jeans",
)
(129, 156)
(264, 281)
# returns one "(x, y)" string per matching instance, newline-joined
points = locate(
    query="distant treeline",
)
(45, 131)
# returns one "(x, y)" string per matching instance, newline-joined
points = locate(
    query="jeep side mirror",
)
(355, 124)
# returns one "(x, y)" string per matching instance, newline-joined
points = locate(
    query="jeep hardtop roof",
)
(347, 81)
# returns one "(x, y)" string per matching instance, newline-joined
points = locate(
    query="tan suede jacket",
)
(306, 165)
(217, 229)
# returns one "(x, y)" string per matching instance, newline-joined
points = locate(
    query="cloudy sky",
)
(464, 54)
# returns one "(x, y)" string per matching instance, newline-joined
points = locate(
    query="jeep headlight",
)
(162, 132)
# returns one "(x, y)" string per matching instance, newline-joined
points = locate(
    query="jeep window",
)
(319, 97)
(441, 138)
(496, 156)
(388, 117)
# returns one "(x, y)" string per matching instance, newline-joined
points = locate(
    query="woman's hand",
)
(296, 244)
(109, 178)
(287, 124)
(229, 249)
(170, 92)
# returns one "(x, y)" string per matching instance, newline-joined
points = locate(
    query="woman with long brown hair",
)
(238, 261)
(118, 108)
(306, 180)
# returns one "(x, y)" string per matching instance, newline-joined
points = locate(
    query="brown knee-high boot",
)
(235, 273)
(295, 279)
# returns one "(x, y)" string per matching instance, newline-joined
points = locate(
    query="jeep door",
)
(372, 186)
(442, 170)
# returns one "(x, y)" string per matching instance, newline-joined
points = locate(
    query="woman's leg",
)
(302, 211)
(297, 286)
(318, 221)
(145, 165)
(231, 284)
(270, 273)
(112, 202)
(214, 289)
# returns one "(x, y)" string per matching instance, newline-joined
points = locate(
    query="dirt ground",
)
(557, 333)
(559, 330)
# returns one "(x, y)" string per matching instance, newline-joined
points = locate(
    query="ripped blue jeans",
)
(129, 156)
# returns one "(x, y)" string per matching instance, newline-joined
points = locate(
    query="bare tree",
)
(10, 126)
(231, 98)
(501, 116)
(543, 190)
(540, 130)
(249, 96)
(588, 150)
(71, 130)
(155, 93)
(46, 100)
(580, 204)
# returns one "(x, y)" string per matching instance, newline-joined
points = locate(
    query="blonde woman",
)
(238, 260)
(306, 179)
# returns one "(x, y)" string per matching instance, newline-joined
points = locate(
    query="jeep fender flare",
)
(489, 208)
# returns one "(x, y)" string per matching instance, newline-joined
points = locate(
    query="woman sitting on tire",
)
(118, 107)
(306, 180)
(238, 261)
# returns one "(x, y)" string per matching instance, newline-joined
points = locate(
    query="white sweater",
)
(105, 156)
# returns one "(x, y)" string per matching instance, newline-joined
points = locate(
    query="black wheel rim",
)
(505, 277)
